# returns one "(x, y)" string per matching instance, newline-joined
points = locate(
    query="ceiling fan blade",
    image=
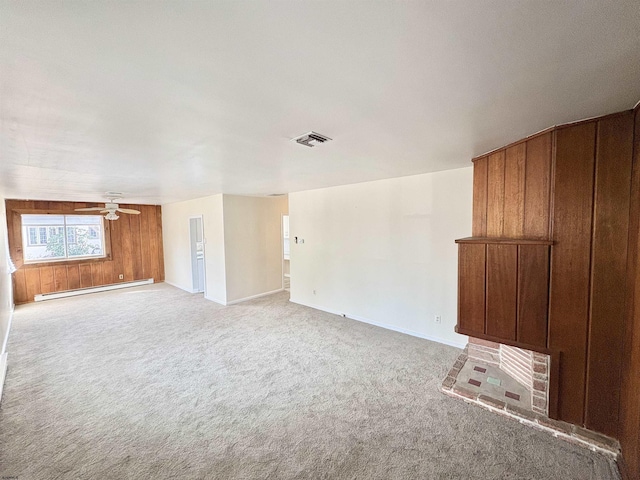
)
(89, 209)
(127, 210)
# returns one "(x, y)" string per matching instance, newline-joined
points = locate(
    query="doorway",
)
(196, 236)
(286, 270)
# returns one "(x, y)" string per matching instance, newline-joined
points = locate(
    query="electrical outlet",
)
(314, 292)
(438, 319)
(121, 276)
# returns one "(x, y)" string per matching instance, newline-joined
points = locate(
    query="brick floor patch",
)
(569, 433)
(512, 395)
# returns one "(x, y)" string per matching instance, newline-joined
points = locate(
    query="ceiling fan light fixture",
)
(110, 208)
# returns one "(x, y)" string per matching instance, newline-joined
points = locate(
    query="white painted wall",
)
(253, 245)
(6, 298)
(243, 245)
(383, 252)
(177, 247)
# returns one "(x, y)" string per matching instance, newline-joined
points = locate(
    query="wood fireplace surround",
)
(546, 266)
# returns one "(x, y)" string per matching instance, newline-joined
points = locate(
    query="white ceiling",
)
(168, 101)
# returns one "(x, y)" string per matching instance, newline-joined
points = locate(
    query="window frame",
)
(106, 239)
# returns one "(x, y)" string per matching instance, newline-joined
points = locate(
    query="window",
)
(62, 237)
(33, 236)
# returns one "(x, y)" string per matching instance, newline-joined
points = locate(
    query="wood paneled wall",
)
(504, 290)
(136, 251)
(629, 421)
(592, 189)
(571, 185)
(511, 190)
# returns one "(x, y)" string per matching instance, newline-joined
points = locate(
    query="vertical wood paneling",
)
(471, 287)
(154, 245)
(533, 294)
(20, 287)
(116, 251)
(608, 271)
(47, 283)
(570, 263)
(502, 261)
(136, 252)
(127, 248)
(514, 185)
(147, 213)
(136, 245)
(629, 422)
(495, 194)
(73, 276)
(107, 273)
(85, 275)
(15, 231)
(32, 281)
(538, 187)
(159, 254)
(480, 175)
(96, 274)
(60, 277)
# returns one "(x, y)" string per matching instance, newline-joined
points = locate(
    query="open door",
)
(286, 281)
(197, 254)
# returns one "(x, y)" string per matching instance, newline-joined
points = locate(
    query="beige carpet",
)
(154, 383)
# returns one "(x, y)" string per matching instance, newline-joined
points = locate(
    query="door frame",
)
(204, 252)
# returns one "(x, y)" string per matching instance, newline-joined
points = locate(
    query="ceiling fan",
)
(110, 208)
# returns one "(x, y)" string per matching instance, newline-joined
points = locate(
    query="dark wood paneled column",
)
(502, 275)
(608, 272)
(471, 287)
(533, 294)
(571, 262)
(629, 422)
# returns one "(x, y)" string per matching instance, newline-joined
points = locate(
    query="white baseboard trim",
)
(3, 372)
(233, 302)
(180, 287)
(82, 291)
(5, 340)
(215, 300)
(387, 326)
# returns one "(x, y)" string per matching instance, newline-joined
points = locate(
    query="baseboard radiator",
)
(81, 291)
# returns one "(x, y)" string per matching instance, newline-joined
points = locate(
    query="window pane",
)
(42, 241)
(87, 237)
(43, 237)
(71, 235)
(33, 236)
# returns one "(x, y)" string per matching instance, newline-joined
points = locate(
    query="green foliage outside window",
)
(55, 245)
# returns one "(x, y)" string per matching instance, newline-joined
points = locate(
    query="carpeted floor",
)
(155, 383)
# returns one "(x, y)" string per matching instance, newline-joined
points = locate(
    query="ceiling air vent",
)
(311, 139)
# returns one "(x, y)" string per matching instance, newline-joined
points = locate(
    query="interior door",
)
(197, 254)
